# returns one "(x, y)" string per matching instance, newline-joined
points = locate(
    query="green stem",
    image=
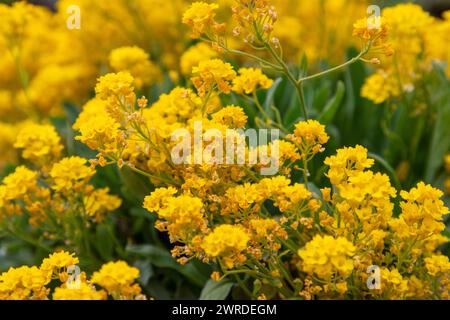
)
(337, 68)
(298, 86)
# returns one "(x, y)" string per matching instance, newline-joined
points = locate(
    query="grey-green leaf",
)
(214, 290)
(332, 106)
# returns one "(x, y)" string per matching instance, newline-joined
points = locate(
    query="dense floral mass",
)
(95, 117)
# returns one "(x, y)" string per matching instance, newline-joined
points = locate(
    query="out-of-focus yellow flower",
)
(200, 17)
(447, 163)
(19, 183)
(40, 144)
(114, 85)
(100, 202)
(194, 55)
(379, 87)
(436, 264)
(137, 62)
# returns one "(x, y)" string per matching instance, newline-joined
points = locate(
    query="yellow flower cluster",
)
(310, 136)
(200, 17)
(249, 80)
(117, 280)
(41, 144)
(211, 74)
(413, 38)
(57, 193)
(137, 62)
(228, 242)
(325, 256)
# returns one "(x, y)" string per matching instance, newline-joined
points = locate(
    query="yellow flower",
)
(447, 185)
(325, 256)
(100, 132)
(393, 281)
(372, 29)
(267, 232)
(374, 32)
(380, 87)
(346, 163)
(194, 55)
(23, 283)
(99, 202)
(227, 242)
(118, 279)
(422, 213)
(70, 174)
(310, 136)
(137, 62)
(19, 183)
(114, 85)
(231, 116)
(8, 134)
(184, 217)
(200, 17)
(437, 264)
(249, 80)
(83, 292)
(210, 74)
(58, 262)
(40, 143)
(447, 163)
(159, 199)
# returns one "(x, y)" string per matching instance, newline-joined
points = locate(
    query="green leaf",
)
(162, 258)
(136, 186)
(104, 242)
(157, 256)
(270, 97)
(303, 67)
(146, 270)
(333, 104)
(440, 141)
(214, 290)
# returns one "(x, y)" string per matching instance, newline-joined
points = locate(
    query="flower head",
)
(347, 162)
(39, 143)
(249, 80)
(231, 116)
(113, 85)
(211, 74)
(70, 174)
(118, 279)
(194, 55)
(227, 242)
(137, 62)
(326, 256)
(200, 17)
(310, 136)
